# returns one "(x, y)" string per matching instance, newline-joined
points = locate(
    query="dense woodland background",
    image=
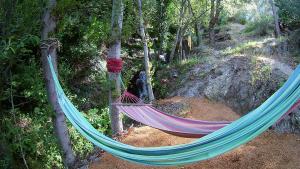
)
(176, 29)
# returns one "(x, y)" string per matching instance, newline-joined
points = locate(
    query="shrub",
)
(240, 17)
(260, 27)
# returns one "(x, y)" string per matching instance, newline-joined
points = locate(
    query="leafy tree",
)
(289, 12)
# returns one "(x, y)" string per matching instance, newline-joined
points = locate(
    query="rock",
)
(290, 123)
(237, 82)
(241, 84)
(174, 74)
(194, 83)
(174, 108)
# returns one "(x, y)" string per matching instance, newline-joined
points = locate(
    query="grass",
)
(253, 47)
(192, 61)
(242, 48)
(260, 27)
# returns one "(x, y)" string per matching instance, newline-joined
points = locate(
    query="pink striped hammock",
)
(136, 109)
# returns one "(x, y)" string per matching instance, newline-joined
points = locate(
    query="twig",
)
(21, 104)
(15, 121)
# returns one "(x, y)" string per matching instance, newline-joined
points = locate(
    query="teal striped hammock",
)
(221, 141)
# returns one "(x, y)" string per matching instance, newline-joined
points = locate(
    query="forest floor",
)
(269, 150)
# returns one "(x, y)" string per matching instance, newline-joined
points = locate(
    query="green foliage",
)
(80, 31)
(164, 83)
(84, 30)
(20, 17)
(289, 12)
(260, 27)
(259, 72)
(34, 133)
(240, 17)
(100, 120)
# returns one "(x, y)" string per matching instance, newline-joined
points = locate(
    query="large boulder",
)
(241, 83)
(238, 82)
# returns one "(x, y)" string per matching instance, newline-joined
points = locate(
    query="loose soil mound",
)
(270, 150)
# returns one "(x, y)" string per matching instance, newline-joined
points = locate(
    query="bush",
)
(240, 17)
(260, 27)
(289, 12)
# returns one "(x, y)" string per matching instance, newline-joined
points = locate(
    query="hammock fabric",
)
(223, 140)
(134, 108)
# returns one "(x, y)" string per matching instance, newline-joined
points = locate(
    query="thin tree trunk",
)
(181, 50)
(175, 45)
(161, 27)
(59, 120)
(276, 20)
(197, 26)
(146, 53)
(115, 52)
(179, 31)
(214, 18)
(218, 11)
(211, 22)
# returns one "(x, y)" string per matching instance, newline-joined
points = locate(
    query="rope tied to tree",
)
(114, 65)
(50, 43)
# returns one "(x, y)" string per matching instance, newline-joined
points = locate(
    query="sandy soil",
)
(268, 151)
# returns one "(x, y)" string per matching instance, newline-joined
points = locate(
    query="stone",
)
(240, 84)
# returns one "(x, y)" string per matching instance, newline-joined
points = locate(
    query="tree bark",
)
(276, 20)
(115, 52)
(211, 22)
(59, 120)
(197, 26)
(146, 53)
(180, 49)
(215, 11)
(161, 25)
(179, 30)
(218, 11)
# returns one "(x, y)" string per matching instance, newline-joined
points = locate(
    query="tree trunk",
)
(218, 11)
(146, 53)
(160, 30)
(175, 45)
(179, 31)
(197, 26)
(276, 20)
(215, 11)
(115, 52)
(180, 50)
(59, 120)
(211, 22)
(198, 31)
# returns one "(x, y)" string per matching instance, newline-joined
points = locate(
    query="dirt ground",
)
(268, 151)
